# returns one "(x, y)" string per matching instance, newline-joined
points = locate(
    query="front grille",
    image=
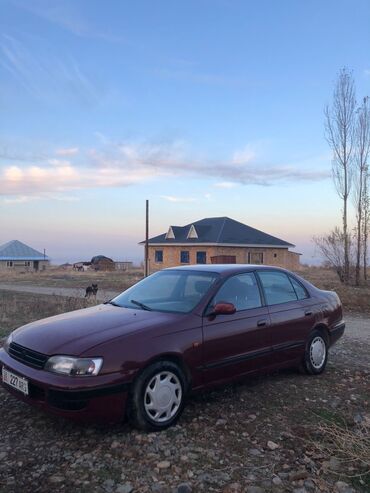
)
(27, 356)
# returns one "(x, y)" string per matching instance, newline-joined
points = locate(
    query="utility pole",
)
(146, 259)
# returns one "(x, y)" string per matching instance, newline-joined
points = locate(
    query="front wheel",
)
(316, 353)
(158, 395)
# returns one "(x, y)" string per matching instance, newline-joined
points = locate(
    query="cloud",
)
(22, 199)
(68, 151)
(45, 76)
(121, 164)
(225, 184)
(243, 156)
(70, 18)
(171, 198)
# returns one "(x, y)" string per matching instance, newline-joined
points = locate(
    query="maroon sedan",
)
(180, 329)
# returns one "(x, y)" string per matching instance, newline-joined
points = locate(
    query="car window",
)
(242, 291)
(277, 287)
(168, 290)
(299, 289)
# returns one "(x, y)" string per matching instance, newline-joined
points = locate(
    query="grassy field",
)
(17, 309)
(56, 277)
(354, 299)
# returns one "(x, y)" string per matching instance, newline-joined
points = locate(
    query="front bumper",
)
(84, 399)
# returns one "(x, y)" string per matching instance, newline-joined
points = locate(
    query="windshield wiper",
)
(138, 303)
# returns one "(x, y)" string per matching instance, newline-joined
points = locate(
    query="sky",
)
(205, 107)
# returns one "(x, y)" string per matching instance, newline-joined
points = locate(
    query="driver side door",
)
(236, 344)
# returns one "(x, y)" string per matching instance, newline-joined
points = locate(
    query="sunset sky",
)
(204, 107)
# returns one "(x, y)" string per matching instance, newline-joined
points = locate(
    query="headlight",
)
(7, 343)
(67, 365)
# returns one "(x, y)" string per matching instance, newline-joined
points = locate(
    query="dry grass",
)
(349, 447)
(17, 309)
(356, 299)
(56, 277)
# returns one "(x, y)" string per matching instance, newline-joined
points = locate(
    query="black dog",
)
(91, 291)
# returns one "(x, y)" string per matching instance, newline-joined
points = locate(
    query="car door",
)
(236, 344)
(292, 314)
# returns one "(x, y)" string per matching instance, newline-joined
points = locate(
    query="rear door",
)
(292, 314)
(236, 344)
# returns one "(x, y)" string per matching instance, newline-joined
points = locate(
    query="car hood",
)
(75, 332)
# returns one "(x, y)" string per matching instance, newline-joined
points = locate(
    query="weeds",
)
(350, 446)
(17, 309)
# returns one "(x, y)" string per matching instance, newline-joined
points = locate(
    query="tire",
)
(158, 396)
(316, 353)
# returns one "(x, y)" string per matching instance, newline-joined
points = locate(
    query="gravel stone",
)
(164, 464)
(42, 453)
(342, 487)
(255, 489)
(184, 488)
(124, 488)
(272, 445)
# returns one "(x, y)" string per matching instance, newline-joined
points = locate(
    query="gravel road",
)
(261, 436)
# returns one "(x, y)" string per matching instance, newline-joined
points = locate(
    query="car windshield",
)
(175, 291)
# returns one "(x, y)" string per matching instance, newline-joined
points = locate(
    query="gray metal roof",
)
(16, 250)
(220, 230)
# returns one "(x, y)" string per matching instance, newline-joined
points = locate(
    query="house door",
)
(36, 265)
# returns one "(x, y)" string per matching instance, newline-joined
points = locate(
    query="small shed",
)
(123, 265)
(100, 262)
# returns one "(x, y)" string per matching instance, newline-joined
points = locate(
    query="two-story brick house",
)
(219, 240)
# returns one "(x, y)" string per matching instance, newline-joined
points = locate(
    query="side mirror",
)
(224, 308)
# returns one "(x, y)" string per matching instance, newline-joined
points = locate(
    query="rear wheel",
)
(157, 398)
(316, 353)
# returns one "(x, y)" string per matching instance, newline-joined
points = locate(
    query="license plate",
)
(15, 381)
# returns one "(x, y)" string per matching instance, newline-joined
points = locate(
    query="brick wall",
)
(280, 257)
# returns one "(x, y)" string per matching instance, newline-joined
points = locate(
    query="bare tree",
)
(361, 154)
(365, 220)
(332, 248)
(339, 129)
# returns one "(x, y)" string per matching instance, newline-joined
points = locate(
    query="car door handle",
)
(261, 323)
(308, 313)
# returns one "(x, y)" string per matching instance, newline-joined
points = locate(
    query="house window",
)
(158, 256)
(275, 255)
(27, 264)
(9, 263)
(201, 257)
(255, 258)
(184, 257)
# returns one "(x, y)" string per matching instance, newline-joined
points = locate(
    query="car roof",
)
(225, 268)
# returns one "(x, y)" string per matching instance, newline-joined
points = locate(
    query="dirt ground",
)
(284, 432)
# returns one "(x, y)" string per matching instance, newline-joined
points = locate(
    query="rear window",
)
(300, 290)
